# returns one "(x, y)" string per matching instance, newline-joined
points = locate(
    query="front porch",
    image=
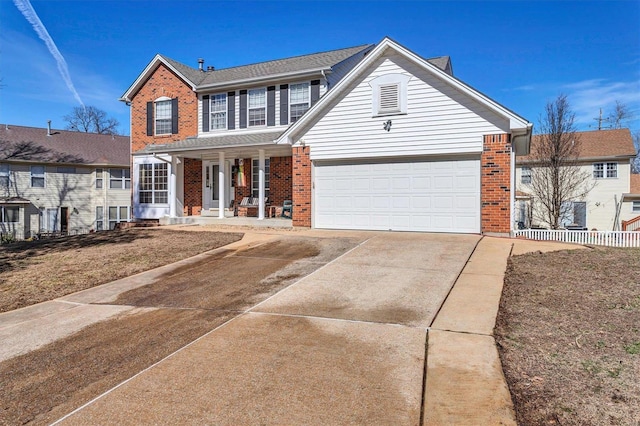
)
(228, 220)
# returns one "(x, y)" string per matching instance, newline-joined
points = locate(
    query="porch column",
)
(221, 200)
(261, 184)
(173, 187)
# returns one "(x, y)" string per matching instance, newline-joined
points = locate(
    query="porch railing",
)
(598, 238)
(631, 225)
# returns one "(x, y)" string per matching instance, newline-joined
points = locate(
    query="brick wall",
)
(280, 180)
(163, 82)
(495, 183)
(301, 187)
(192, 187)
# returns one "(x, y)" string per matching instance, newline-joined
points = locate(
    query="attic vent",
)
(389, 98)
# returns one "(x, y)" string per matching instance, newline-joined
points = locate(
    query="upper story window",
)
(99, 179)
(635, 207)
(5, 175)
(299, 100)
(255, 177)
(119, 178)
(37, 176)
(605, 170)
(163, 117)
(525, 176)
(389, 94)
(153, 183)
(257, 107)
(218, 110)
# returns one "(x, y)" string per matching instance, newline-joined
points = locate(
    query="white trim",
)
(242, 83)
(517, 124)
(259, 126)
(151, 68)
(211, 112)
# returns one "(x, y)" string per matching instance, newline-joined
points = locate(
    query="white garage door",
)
(430, 196)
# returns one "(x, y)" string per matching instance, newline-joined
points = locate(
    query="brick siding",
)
(192, 187)
(301, 187)
(163, 82)
(495, 194)
(280, 181)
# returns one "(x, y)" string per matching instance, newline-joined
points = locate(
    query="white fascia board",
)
(271, 77)
(126, 97)
(516, 123)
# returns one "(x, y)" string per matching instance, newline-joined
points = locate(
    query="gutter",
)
(522, 137)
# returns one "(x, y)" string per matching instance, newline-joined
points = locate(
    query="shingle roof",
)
(19, 143)
(225, 140)
(597, 143)
(280, 66)
(635, 184)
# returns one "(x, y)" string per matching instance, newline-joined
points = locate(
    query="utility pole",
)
(600, 120)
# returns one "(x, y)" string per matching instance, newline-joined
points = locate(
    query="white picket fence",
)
(597, 238)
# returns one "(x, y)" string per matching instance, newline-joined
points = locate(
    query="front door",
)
(211, 186)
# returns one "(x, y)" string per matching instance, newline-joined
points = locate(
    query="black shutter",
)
(284, 104)
(149, 118)
(243, 109)
(271, 106)
(205, 113)
(315, 91)
(174, 116)
(231, 110)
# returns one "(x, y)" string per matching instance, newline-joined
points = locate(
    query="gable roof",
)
(520, 127)
(597, 144)
(314, 62)
(33, 145)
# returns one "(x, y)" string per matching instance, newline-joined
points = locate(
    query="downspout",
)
(526, 136)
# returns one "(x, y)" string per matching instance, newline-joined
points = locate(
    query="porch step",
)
(214, 213)
(228, 221)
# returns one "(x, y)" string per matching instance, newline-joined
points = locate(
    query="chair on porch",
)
(287, 207)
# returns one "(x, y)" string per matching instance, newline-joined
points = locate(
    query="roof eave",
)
(251, 81)
(517, 124)
(149, 69)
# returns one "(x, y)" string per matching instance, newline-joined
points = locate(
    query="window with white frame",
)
(605, 170)
(9, 214)
(218, 110)
(255, 177)
(525, 176)
(163, 116)
(299, 100)
(118, 214)
(153, 183)
(635, 206)
(37, 177)
(119, 179)
(257, 107)
(99, 218)
(5, 179)
(389, 94)
(99, 177)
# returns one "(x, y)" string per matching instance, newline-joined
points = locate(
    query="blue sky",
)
(520, 53)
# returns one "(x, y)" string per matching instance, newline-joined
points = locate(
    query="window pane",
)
(219, 103)
(12, 214)
(612, 170)
(37, 182)
(163, 117)
(299, 93)
(257, 117)
(257, 98)
(598, 170)
(218, 120)
(145, 182)
(123, 214)
(297, 111)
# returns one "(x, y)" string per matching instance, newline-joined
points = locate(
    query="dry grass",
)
(569, 336)
(33, 272)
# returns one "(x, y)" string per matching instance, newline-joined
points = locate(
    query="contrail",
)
(24, 6)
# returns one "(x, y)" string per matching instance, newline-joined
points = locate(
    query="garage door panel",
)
(436, 196)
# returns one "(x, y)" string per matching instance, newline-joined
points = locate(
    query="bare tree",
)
(619, 115)
(635, 162)
(556, 177)
(91, 120)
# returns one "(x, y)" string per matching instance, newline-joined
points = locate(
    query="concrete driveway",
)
(344, 345)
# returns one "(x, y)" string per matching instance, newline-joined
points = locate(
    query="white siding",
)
(75, 191)
(601, 200)
(439, 120)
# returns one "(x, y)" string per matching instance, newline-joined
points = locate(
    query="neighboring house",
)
(631, 205)
(605, 156)
(57, 181)
(370, 137)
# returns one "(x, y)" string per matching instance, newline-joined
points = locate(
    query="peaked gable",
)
(517, 126)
